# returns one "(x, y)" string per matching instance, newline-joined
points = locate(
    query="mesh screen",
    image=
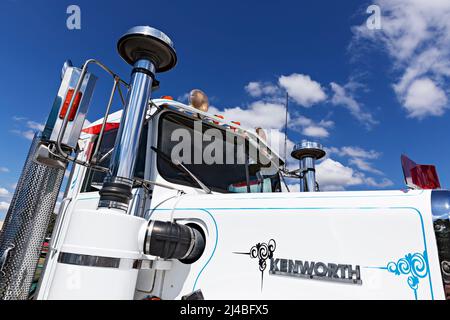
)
(26, 224)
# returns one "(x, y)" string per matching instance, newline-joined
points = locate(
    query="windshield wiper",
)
(182, 168)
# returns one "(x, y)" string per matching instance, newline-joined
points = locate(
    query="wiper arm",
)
(182, 168)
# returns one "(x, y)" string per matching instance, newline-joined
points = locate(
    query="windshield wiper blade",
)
(182, 168)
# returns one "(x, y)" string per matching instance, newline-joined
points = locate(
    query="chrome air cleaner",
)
(149, 51)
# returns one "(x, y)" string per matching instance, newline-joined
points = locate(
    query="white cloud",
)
(258, 114)
(4, 192)
(27, 134)
(4, 169)
(303, 89)
(310, 128)
(424, 98)
(343, 97)
(416, 35)
(35, 125)
(257, 89)
(354, 152)
(357, 157)
(315, 131)
(31, 128)
(337, 176)
(266, 115)
(364, 166)
(384, 183)
(4, 206)
(333, 175)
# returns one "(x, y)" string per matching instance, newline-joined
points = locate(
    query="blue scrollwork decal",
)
(414, 265)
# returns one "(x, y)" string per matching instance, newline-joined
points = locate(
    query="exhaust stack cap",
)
(147, 42)
(308, 149)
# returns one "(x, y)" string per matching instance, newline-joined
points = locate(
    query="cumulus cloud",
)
(257, 89)
(266, 115)
(364, 166)
(343, 97)
(424, 98)
(416, 36)
(4, 169)
(357, 157)
(258, 114)
(315, 131)
(333, 175)
(310, 128)
(303, 89)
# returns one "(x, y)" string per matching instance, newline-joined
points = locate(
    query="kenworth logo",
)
(315, 270)
(301, 269)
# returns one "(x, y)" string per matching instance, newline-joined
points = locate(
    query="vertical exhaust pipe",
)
(149, 51)
(308, 153)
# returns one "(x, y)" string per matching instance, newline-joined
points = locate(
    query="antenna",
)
(285, 128)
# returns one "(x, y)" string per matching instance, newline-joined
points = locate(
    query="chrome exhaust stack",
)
(26, 224)
(308, 153)
(37, 190)
(149, 51)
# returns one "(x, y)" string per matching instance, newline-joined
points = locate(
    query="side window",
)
(94, 179)
(222, 176)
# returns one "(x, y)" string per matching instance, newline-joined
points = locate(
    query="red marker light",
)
(66, 103)
(218, 116)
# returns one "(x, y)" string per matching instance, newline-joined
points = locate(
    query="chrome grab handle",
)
(61, 215)
(117, 80)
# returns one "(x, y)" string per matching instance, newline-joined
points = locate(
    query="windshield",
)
(219, 158)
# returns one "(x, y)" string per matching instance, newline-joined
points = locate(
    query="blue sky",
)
(367, 95)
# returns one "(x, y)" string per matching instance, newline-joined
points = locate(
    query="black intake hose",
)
(171, 240)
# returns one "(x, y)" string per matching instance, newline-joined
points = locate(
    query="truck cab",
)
(261, 241)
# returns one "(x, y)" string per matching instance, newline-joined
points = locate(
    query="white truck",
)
(138, 223)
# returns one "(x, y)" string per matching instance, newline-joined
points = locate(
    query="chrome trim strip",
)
(148, 236)
(191, 246)
(93, 261)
